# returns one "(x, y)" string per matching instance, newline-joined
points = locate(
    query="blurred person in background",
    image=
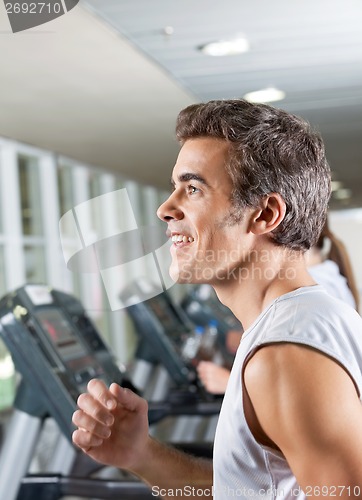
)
(332, 267)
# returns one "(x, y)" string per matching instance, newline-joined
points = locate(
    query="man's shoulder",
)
(312, 302)
(312, 318)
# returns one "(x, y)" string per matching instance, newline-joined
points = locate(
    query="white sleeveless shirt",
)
(242, 467)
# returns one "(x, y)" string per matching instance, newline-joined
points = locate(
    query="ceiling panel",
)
(311, 49)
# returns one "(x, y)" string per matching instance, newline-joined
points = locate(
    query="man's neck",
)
(265, 281)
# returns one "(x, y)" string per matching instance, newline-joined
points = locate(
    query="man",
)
(251, 188)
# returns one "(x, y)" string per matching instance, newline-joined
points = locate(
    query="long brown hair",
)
(338, 253)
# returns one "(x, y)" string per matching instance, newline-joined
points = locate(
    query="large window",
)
(30, 199)
(7, 378)
(65, 188)
(32, 215)
(35, 268)
(2, 272)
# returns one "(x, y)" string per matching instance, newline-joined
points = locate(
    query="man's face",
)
(207, 242)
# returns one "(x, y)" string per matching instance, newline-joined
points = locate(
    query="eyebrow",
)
(188, 176)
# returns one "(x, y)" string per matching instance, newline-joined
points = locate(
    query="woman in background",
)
(332, 269)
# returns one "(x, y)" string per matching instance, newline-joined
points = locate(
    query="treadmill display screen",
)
(167, 316)
(60, 332)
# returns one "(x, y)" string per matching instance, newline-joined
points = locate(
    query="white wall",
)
(347, 226)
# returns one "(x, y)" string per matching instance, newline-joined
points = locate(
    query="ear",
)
(269, 215)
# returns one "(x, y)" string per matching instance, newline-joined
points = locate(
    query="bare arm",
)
(117, 435)
(307, 404)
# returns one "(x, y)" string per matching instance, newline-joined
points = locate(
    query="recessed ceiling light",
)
(270, 94)
(168, 30)
(335, 185)
(230, 47)
(342, 194)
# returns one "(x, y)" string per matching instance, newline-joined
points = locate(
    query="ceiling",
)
(104, 83)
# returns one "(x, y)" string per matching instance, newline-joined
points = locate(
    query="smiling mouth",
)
(181, 239)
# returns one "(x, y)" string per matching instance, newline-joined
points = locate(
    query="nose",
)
(169, 211)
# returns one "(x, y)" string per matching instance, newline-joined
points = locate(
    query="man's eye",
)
(192, 189)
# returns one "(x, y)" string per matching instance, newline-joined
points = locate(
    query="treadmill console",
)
(56, 348)
(163, 328)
